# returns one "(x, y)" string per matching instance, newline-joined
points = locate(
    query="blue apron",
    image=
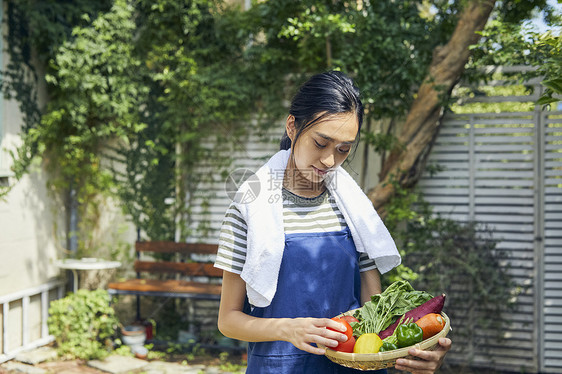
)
(319, 277)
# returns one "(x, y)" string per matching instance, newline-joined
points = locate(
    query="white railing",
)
(8, 352)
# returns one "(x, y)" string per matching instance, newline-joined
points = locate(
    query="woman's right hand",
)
(303, 332)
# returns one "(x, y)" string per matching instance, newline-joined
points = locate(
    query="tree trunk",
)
(405, 162)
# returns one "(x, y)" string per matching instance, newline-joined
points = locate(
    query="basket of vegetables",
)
(386, 327)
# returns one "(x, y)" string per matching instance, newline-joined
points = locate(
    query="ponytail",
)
(285, 142)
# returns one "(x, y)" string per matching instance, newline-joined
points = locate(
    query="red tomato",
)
(348, 332)
(346, 346)
(349, 319)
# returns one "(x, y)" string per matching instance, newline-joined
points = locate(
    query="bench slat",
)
(199, 296)
(173, 247)
(172, 287)
(169, 285)
(195, 269)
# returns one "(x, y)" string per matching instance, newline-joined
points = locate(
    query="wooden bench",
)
(186, 276)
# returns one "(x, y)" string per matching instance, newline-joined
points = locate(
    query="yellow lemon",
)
(367, 343)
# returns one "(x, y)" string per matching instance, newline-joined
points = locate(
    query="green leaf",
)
(547, 99)
(554, 84)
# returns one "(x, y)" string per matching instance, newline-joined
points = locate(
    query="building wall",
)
(32, 238)
(28, 247)
(27, 221)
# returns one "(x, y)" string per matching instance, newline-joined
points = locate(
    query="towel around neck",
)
(265, 235)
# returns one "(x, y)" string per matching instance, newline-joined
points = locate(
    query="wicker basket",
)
(381, 360)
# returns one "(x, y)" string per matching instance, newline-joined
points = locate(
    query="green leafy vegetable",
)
(384, 308)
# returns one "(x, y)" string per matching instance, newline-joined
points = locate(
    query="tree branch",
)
(422, 122)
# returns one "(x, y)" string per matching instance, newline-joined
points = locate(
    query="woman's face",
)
(322, 147)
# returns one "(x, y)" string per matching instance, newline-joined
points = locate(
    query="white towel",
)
(266, 237)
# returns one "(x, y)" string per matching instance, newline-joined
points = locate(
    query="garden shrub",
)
(460, 259)
(83, 324)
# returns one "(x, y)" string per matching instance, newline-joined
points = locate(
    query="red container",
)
(148, 329)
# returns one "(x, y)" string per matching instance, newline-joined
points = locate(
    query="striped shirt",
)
(300, 215)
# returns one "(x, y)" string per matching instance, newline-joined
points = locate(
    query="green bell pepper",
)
(388, 346)
(408, 334)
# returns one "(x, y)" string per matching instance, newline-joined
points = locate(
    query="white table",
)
(86, 263)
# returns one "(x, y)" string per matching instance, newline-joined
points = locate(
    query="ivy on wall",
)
(133, 90)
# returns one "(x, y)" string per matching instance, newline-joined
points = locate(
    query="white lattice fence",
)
(18, 334)
(550, 273)
(210, 203)
(504, 170)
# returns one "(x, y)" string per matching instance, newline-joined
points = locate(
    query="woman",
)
(309, 245)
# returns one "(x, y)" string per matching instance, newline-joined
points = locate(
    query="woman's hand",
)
(430, 360)
(302, 332)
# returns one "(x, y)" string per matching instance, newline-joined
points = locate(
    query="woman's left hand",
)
(430, 360)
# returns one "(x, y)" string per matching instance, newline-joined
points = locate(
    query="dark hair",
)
(323, 95)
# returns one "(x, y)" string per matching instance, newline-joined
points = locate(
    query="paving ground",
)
(44, 361)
